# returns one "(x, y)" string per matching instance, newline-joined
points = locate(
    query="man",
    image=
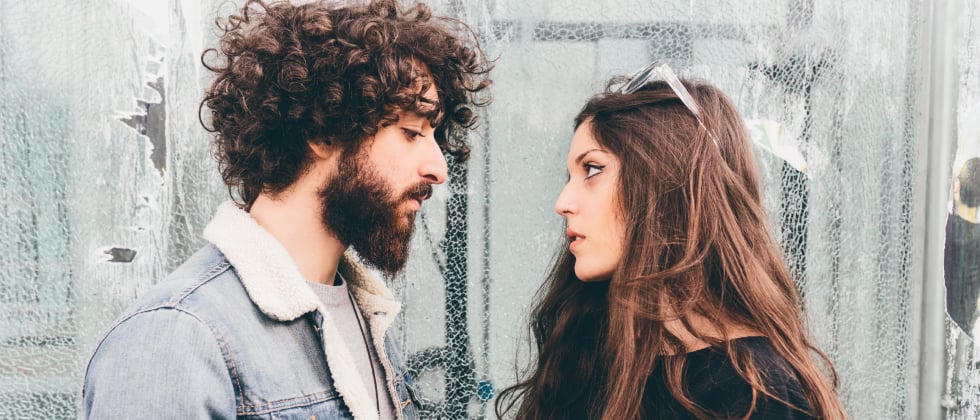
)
(962, 251)
(330, 126)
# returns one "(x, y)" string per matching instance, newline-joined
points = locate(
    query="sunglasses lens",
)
(660, 70)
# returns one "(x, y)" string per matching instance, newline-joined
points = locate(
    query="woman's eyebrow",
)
(582, 156)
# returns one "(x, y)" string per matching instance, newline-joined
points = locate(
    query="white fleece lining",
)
(275, 284)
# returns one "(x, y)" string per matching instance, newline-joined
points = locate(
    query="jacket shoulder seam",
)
(203, 279)
(221, 344)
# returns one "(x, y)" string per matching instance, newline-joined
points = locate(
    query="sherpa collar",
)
(274, 283)
(272, 279)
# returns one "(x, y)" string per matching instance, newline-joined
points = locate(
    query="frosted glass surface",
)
(107, 177)
(962, 398)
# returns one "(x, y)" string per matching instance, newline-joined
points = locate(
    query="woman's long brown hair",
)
(698, 245)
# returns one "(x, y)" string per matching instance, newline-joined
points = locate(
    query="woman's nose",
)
(563, 205)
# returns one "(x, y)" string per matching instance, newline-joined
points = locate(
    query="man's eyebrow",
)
(578, 160)
(412, 116)
(417, 115)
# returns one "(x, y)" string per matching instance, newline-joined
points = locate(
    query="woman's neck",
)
(704, 332)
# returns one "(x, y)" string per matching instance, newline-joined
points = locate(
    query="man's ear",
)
(323, 149)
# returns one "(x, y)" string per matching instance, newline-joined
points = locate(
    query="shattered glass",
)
(108, 178)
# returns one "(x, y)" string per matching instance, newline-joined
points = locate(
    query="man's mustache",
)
(421, 191)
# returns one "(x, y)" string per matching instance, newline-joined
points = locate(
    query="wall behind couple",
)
(107, 178)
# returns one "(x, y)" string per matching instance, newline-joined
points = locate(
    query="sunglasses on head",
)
(659, 70)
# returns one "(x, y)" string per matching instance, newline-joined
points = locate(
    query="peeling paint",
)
(151, 121)
(121, 255)
(149, 116)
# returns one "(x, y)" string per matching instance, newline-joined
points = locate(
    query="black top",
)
(712, 382)
(962, 270)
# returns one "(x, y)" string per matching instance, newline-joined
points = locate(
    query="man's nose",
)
(434, 167)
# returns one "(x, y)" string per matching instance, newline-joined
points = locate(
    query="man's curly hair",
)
(291, 74)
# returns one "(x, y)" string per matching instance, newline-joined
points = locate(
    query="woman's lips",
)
(575, 238)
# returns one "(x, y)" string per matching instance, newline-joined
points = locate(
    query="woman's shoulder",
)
(713, 381)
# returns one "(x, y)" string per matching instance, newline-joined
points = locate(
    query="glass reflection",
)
(962, 255)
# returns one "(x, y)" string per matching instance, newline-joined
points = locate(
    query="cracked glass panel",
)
(108, 178)
(962, 251)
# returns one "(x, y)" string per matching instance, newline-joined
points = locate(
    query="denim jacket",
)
(236, 332)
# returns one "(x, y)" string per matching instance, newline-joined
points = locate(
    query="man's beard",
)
(363, 211)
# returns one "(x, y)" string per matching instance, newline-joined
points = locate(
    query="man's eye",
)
(592, 170)
(411, 134)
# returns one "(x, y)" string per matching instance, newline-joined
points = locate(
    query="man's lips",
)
(416, 202)
(419, 194)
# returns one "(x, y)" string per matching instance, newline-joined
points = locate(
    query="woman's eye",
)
(592, 170)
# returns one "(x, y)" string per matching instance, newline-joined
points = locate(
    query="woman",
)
(671, 299)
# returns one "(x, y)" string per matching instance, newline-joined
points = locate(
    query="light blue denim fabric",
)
(195, 346)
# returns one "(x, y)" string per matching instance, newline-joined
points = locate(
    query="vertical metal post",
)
(941, 73)
(458, 357)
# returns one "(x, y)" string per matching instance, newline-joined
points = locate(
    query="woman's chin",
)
(589, 276)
